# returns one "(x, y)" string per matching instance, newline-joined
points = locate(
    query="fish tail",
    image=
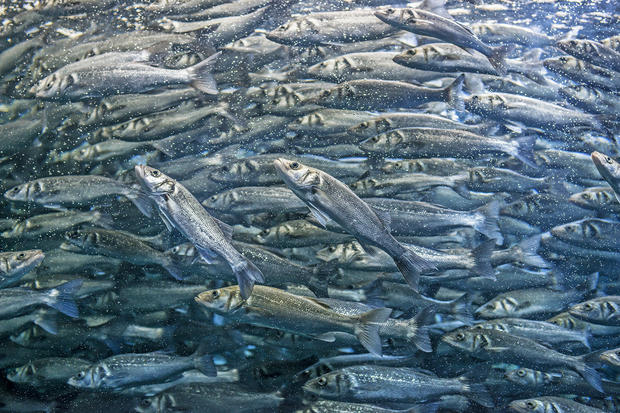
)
(479, 393)
(497, 58)
(61, 298)
(204, 364)
(461, 309)
(482, 259)
(367, 330)
(590, 375)
(201, 77)
(411, 265)
(525, 150)
(173, 268)
(452, 94)
(247, 275)
(47, 322)
(418, 326)
(529, 252)
(142, 202)
(487, 225)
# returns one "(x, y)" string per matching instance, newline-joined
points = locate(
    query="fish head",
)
(330, 385)
(20, 261)
(22, 374)
(54, 85)
(564, 320)
(522, 376)
(568, 232)
(333, 252)
(153, 404)
(185, 254)
(589, 310)
(391, 15)
(466, 339)
(154, 181)
(291, 33)
(612, 357)
(307, 122)
(325, 68)
(20, 192)
(29, 336)
(297, 176)
(606, 166)
(527, 405)
(82, 239)
(494, 308)
(221, 300)
(91, 378)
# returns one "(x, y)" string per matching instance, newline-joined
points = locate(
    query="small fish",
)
(14, 265)
(274, 308)
(545, 404)
(426, 23)
(601, 310)
(609, 170)
(179, 209)
(126, 370)
(16, 301)
(330, 199)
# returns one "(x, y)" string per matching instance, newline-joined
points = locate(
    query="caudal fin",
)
(142, 202)
(61, 298)
(411, 265)
(482, 259)
(452, 93)
(529, 253)
(201, 77)
(497, 58)
(479, 393)
(591, 376)
(205, 365)
(367, 330)
(487, 224)
(525, 151)
(247, 275)
(461, 309)
(417, 331)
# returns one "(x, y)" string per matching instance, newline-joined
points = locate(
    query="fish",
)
(609, 170)
(128, 369)
(426, 23)
(107, 75)
(379, 384)
(542, 404)
(592, 52)
(494, 345)
(14, 265)
(57, 191)
(179, 209)
(600, 310)
(18, 300)
(268, 307)
(330, 199)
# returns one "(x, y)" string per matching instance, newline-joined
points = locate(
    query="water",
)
(118, 293)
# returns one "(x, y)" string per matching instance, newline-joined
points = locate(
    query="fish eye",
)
(364, 125)
(586, 196)
(398, 165)
(265, 231)
(531, 405)
(608, 159)
(521, 373)
(155, 173)
(411, 52)
(215, 293)
(15, 190)
(374, 139)
(459, 337)
(489, 306)
(390, 10)
(145, 402)
(332, 249)
(588, 307)
(294, 165)
(322, 381)
(80, 375)
(21, 256)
